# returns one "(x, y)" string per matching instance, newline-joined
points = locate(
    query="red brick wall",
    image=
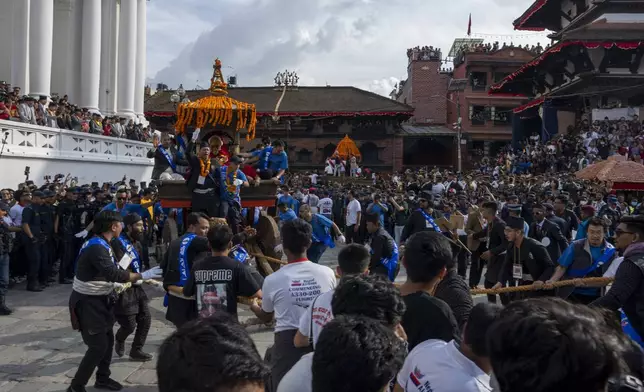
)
(428, 92)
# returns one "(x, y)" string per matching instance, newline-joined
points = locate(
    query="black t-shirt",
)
(428, 317)
(217, 281)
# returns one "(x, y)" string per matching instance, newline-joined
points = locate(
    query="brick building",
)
(436, 94)
(311, 120)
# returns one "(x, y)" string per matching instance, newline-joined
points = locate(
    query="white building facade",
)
(94, 51)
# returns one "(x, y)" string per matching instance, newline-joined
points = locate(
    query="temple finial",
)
(217, 84)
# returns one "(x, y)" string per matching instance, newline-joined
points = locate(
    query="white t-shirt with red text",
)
(317, 316)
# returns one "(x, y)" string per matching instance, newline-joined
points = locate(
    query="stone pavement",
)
(39, 351)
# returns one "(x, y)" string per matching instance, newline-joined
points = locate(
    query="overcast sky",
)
(359, 43)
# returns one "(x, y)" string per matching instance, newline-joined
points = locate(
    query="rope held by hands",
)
(595, 282)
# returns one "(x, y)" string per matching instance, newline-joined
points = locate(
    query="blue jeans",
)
(4, 274)
(315, 252)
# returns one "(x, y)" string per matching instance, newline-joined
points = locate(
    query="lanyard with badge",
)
(517, 267)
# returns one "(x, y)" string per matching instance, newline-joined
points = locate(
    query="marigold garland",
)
(217, 110)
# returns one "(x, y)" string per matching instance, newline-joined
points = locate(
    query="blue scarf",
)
(183, 263)
(263, 159)
(97, 241)
(607, 254)
(131, 251)
(430, 220)
(239, 253)
(168, 157)
(326, 240)
(390, 263)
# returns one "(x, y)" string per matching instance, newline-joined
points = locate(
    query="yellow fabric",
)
(347, 148)
(150, 209)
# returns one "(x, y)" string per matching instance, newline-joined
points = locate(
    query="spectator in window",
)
(26, 110)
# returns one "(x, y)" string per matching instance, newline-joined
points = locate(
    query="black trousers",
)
(350, 235)
(129, 323)
(37, 272)
(476, 269)
(462, 259)
(68, 258)
(491, 298)
(98, 356)
(231, 210)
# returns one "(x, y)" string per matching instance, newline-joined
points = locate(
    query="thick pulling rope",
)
(595, 282)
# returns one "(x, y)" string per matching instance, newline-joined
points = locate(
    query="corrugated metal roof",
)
(457, 84)
(416, 130)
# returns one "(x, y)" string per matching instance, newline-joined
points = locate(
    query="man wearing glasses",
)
(586, 258)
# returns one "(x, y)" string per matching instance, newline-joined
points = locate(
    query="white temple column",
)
(90, 54)
(127, 58)
(75, 42)
(106, 23)
(141, 47)
(20, 45)
(41, 42)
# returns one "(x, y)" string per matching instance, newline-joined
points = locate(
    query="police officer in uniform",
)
(47, 216)
(33, 239)
(91, 303)
(65, 225)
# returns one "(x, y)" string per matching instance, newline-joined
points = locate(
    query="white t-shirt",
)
(326, 206)
(435, 365)
(320, 313)
(353, 208)
(290, 290)
(300, 377)
(314, 178)
(15, 213)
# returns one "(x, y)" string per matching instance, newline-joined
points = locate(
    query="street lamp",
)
(179, 96)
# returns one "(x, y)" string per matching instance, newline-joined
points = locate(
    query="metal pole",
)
(458, 132)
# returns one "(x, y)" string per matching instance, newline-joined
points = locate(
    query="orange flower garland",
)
(205, 167)
(217, 110)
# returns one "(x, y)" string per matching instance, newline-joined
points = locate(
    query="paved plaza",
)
(39, 351)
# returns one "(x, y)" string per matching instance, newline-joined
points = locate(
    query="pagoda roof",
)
(541, 15)
(526, 73)
(546, 14)
(301, 101)
(603, 30)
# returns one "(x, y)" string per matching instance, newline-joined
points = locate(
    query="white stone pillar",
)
(41, 42)
(75, 42)
(127, 58)
(20, 46)
(106, 23)
(91, 54)
(141, 64)
(109, 57)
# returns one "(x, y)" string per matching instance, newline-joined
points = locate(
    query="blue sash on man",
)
(607, 255)
(96, 241)
(326, 238)
(390, 263)
(430, 221)
(168, 157)
(263, 159)
(131, 251)
(239, 253)
(183, 263)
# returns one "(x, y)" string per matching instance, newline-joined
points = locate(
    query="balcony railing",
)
(33, 141)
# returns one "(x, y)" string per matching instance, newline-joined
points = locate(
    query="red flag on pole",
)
(469, 26)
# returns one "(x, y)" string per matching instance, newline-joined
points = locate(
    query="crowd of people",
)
(58, 112)
(513, 221)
